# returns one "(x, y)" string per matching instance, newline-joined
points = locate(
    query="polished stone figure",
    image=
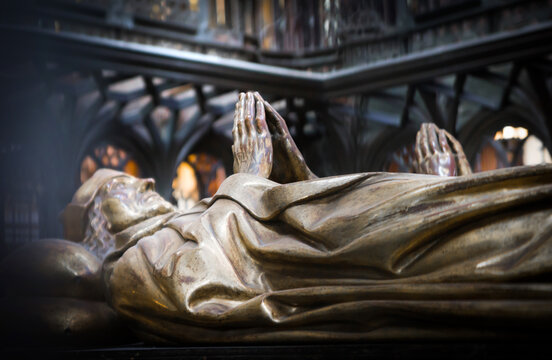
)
(279, 255)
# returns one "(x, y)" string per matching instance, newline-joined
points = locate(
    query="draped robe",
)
(353, 257)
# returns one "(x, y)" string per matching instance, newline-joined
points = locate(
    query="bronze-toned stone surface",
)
(52, 294)
(439, 153)
(289, 165)
(52, 268)
(252, 147)
(56, 321)
(367, 256)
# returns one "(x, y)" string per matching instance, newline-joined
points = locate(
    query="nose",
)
(147, 184)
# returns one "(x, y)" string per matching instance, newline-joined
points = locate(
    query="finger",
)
(464, 167)
(281, 123)
(260, 120)
(276, 120)
(235, 164)
(235, 134)
(418, 149)
(258, 96)
(425, 141)
(443, 141)
(270, 120)
(455, 144)
(433, 141)
(270, 123)
(425, 168)
(241, 118)
(250, 114)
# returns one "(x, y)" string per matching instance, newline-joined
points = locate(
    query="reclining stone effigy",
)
(280, 255)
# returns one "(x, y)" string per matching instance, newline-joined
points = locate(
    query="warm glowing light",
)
(510, 132)
(185, 187)
(88, 168)
(197, 177)
(221, 12)
(534, 152)
(131, 168)
(220, 175)
(108, 156)
(525, 150)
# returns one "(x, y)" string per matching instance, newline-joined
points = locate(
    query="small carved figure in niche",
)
(280, 255)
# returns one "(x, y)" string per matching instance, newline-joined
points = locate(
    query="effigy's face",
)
(127, 200)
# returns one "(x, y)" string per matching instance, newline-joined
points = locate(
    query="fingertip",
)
(443, 140)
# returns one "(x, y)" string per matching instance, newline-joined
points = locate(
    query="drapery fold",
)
(365, 256)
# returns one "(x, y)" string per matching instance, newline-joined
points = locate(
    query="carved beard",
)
(100, 232)
(97, 238)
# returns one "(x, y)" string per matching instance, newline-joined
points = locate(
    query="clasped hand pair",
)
(439, 153)
(263, 145)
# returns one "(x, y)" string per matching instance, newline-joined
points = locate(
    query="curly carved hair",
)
(97, 238)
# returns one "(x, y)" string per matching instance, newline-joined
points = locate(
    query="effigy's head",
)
(111, 201)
